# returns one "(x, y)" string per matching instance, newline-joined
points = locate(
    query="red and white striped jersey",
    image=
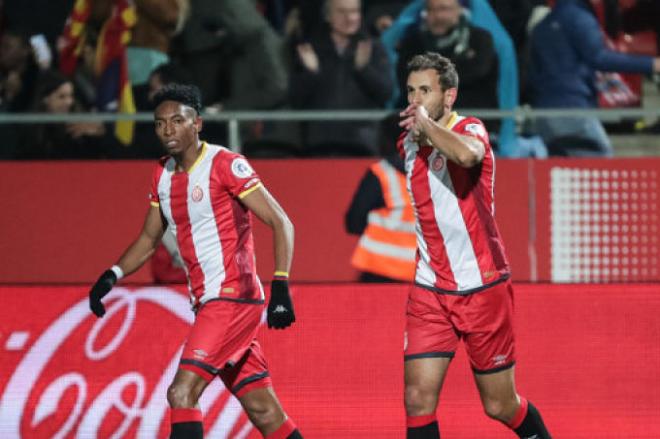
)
(213, 229)
(459, 248)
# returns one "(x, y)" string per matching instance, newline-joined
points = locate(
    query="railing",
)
(233, 119)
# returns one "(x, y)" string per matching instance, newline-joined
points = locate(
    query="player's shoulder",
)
(226, 159)
(166, 162)
(223, 154)
(470, 125)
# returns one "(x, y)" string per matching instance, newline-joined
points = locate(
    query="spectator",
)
(381, 212)
(157, 23)
(258, 75)
(275, 11)
(446, 30)
(567, 49)
(84, 77)
(311, 15)
(380, 14)
(643, 15)
(203, 45)
(18, 72)
(515, 15)
(44, 17)
(234, 55)
(341, 68)
(55, 95)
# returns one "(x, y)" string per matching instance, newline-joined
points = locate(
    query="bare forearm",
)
(283, 236)
(459, 149)
(137, 254)
(268, 210)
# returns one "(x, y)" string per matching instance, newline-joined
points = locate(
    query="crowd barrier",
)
(587, 356)
(562, 220)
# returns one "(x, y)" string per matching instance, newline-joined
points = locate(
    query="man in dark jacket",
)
(446, 31)
(340, 68)
(567, 49)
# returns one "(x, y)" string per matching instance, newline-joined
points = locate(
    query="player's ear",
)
(198, 124)
(450, 97)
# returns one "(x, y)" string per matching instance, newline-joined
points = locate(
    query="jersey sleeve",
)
(473, 127)
(154, 200)
(237, 176)
(399, 144)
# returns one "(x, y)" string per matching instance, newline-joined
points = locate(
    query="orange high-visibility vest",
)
(388, 245)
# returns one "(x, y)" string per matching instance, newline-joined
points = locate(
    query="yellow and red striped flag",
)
(73, 37)
(114, 91)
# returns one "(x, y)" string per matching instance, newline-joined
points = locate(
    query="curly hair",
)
(434, 61)
(188, 95)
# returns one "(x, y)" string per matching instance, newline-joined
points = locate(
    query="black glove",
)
(280, 308)
(99, 290)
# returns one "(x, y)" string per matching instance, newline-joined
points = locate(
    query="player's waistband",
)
(197, 306)
(501, 279)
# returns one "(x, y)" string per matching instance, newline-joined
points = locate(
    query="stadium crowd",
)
(73, 56)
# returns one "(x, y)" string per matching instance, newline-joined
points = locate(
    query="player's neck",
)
(446, 116)
(189, 156)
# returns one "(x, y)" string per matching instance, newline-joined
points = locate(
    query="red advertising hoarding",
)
(562, 220)
(588, 357)
(67, 221)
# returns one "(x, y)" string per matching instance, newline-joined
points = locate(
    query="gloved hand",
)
(99, 290)
(280, 308)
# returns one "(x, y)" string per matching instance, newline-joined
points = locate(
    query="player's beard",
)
(436, 112)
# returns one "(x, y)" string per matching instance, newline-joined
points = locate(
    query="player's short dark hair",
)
(434, 61)
(188, 95)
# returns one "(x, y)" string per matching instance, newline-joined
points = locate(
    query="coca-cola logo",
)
(84, 377)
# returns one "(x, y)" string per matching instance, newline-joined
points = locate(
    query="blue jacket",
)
(567, 48)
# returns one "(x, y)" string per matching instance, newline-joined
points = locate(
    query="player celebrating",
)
(462, 288)
(205, 194)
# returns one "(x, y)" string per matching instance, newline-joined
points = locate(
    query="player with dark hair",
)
(462, 288)
(205, 194)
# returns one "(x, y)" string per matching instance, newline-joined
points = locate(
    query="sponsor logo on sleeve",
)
(476, 129)
(241, 168)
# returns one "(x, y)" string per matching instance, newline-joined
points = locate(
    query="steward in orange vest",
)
(381, 211)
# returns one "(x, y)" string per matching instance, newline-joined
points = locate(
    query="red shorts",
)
(484, 320)
(222, 342)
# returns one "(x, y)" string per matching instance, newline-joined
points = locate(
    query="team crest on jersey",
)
(241, 168)
(476, 129)
(197, 194)
(437, 163)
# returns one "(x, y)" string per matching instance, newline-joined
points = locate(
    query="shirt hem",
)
(503, 278)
